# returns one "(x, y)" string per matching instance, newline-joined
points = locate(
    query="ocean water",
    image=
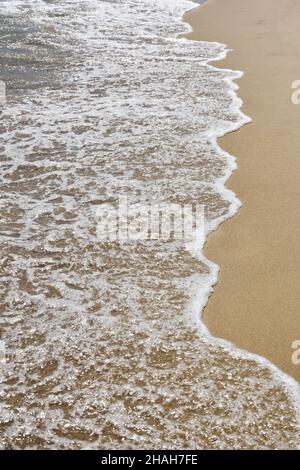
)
(104, 342)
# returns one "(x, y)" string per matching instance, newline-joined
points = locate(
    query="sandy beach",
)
(256, 302)
(109, 117)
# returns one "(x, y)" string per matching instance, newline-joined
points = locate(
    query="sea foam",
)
(105, 341)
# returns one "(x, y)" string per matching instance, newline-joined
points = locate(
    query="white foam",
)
(201, 297)
(15, 7)
(138, 113)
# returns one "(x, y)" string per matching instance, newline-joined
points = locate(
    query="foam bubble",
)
(105, 342)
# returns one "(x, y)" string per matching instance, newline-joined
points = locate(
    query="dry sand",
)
(256, 303)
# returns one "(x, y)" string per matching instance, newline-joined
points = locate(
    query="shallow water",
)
(104, 343)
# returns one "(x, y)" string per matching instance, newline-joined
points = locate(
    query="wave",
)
(105, 101)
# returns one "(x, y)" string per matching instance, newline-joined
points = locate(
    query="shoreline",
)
(251, 249)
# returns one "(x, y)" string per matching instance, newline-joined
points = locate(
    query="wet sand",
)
(256, 303)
